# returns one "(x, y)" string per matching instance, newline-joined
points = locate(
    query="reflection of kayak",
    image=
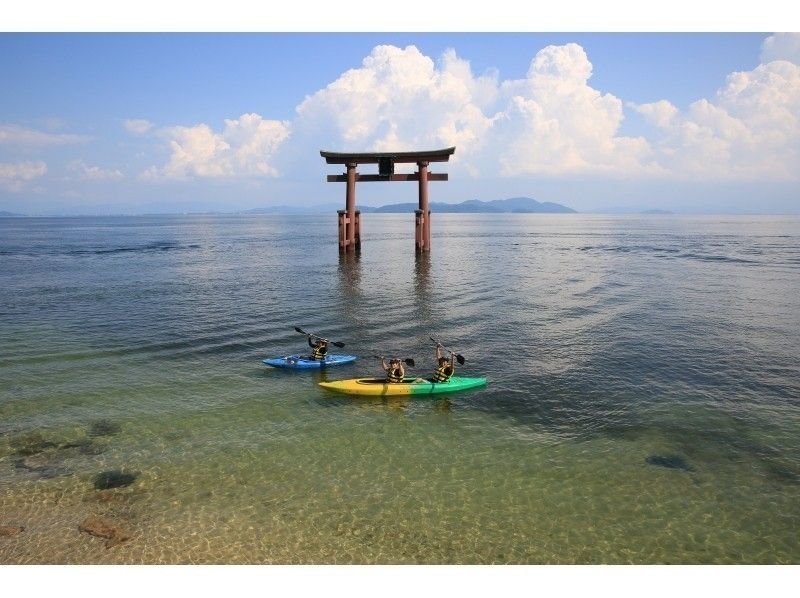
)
(409, 386)
(302, 362)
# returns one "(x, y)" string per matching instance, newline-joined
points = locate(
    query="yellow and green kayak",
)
(408, 387)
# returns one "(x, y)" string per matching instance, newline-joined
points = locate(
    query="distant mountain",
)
(656, 212)
(4, 214)
(517, 205)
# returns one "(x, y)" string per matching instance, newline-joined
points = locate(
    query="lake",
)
(642, 406)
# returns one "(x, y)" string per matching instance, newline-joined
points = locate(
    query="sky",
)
(148, 123)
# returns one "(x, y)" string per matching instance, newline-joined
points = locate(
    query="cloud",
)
(22, 136)
(399, 99)
(14, 175)
(750, 130)
(84, 172)
(661, 114)
(137, 126)
(245, 147)
(781, 46)
(555, 123)
(552, 122)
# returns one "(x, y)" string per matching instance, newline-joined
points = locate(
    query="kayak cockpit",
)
(379, 381)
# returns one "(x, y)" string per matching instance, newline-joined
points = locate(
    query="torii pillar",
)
(353, 233)
(350, 219)
(422, 228)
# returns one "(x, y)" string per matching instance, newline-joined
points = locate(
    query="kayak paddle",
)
(301, 331)
(408, 361)
(459, 357)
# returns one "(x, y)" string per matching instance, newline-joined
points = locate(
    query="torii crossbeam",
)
(349, 218)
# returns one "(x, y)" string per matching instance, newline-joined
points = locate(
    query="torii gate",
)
(350, 219)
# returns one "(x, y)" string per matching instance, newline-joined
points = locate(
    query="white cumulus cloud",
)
(749, 131)
(245, 147)
(84, 172)
(552, 122)
(660, 114)
(137, 126)
(399, 99)
(14, 175)
(555, 123)
(781, 46)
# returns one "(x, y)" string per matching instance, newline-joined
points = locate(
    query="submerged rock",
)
(93, 449)
(31, 444)
(782, 474)
(105, 496)
(11, 530)
(113, 479)
(104, 528)
(85, 446)
(104, 427)
(33, 462)
(45, 466)
(78, 444)
(670, 462)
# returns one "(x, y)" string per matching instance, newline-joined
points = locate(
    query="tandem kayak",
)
(302, 362)
(409, 386)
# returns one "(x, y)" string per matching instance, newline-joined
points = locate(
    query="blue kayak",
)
(302, 362)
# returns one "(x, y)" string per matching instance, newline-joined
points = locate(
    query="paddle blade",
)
(460, 359)
(336, 344)
(409, 361)
(301, 331)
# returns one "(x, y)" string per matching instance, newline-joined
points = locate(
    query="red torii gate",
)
(350, 218)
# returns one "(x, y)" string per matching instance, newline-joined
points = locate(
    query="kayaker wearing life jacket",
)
(445, 368)
(394, 370)
(319, 347)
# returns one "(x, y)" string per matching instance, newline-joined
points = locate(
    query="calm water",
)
(643, 402)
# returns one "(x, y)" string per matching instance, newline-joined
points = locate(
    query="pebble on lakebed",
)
(113, 479)
(104, 427)
(31, 444)
(104, 528)
(11, 530)
(670, 462)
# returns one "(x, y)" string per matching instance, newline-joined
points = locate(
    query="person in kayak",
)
(394, 370)
(445, 367)
(319, 347)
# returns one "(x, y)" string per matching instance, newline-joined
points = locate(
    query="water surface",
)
(643, 403)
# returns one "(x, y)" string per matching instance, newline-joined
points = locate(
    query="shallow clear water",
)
(614, 346)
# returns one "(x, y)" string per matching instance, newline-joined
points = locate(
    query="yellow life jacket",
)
(395, 374)
(319, 350)
(443, 372)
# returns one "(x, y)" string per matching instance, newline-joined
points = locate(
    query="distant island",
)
(515, 205)
(512, 205)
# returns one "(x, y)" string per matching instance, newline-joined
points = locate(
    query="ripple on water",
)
(641, 404)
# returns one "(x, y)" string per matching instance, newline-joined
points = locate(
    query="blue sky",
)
(129, 123)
